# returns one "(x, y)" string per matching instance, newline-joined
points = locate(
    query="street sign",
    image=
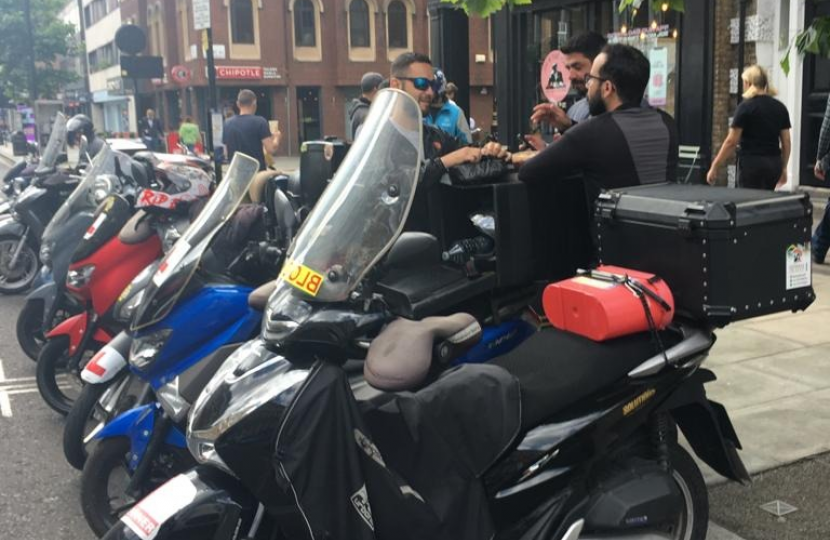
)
(201, 14)
(142, 67)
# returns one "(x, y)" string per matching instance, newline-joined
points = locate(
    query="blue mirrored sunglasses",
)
(422, 83)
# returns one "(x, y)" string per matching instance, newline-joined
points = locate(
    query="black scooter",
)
(562, 439)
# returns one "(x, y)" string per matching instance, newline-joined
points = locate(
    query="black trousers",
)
(759, 172)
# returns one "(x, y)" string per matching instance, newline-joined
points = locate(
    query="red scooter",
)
(103, 264)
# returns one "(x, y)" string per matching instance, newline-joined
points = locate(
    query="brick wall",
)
(726, 58)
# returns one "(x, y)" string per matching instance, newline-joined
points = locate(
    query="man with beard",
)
(412, 73)
(623, 144)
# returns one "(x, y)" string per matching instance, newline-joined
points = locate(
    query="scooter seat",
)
(258, 299)
(400, 357)
(557, 369)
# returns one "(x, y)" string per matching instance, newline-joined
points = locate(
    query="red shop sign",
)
(230, 72)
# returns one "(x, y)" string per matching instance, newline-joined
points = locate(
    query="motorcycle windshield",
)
(82, 200)
(181, 261)
(57, 141)
(363, 209)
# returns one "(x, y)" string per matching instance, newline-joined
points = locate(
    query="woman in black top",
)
(762, 127)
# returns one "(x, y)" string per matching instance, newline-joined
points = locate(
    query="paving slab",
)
(739, 386)
(738, 343)
(807, 327)
(807, 365)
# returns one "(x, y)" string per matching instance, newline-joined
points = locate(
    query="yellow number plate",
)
(302, 277)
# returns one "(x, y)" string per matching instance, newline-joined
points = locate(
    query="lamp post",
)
(27, 15)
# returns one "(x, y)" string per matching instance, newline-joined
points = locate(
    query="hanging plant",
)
(815, 39)
(656, 5)
(485, 8)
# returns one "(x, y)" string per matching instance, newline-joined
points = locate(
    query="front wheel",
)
(20, 276)
(30, 328)
(58, 385)
(693, 522)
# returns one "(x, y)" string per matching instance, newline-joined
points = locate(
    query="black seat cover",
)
(556, 368)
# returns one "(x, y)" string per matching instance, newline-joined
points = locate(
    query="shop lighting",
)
(665, 6)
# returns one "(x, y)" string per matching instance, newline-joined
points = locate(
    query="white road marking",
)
(5, 402)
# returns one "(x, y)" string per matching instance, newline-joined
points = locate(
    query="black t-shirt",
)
(244, 133)
(762, 119)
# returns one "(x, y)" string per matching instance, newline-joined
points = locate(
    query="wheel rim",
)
(68, 382)
(26, 268)
(684, 527)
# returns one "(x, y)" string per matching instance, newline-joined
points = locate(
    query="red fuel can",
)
(606, 303)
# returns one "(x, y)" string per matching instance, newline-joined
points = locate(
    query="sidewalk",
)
(774, 380)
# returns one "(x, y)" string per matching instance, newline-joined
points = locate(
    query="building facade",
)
(304, 58)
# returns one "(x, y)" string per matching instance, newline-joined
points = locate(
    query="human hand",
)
(467, 154)
(782, 180)
(535, 141)
(519, 158)
(711, 177)
(552, 114)
(819, 172)
(495, 150)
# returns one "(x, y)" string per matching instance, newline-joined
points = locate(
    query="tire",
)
(30, 328)
(694, 520)
(105, 478)
(110, 457)
(28, 265)
(87, 414)
(57, 386)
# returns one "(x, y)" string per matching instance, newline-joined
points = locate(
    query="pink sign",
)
(555, 77)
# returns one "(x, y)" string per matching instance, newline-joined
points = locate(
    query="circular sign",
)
(555, 78)
(180, 74)
(130, 39)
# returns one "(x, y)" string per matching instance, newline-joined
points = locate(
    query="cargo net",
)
(643, 293)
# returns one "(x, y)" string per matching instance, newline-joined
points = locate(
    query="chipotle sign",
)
(230, 72)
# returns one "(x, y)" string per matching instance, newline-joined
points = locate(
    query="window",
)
(305, 28)
(359, 24)
(184, 29)
(396, 25)
(242, 21)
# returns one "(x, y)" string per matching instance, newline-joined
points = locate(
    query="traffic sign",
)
(201, 14)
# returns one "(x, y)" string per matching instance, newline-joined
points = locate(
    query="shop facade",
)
(679, 47)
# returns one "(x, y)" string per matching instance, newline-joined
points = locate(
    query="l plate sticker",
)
(146, 517)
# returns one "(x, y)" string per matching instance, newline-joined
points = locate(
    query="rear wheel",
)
(58, 385)
(693, 522)
(17, 278)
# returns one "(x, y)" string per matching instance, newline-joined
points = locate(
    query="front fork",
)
(19, 248)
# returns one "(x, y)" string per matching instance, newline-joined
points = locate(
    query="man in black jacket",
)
(412, 73)
(359, 107)
(623, 144)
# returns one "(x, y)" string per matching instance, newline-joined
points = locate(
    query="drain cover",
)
(778, 508)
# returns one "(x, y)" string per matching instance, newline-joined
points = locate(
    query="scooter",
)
(193, 348)
(102, 263)
(48, 304)
(30, 210)
(561, 439)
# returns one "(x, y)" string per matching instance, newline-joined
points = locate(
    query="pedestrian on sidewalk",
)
(249, 133)
(151, 130)
(760, 132)
(189, 134)
(359, 107)
(821, 238)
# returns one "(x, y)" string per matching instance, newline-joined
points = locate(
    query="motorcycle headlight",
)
(125, 313)
(172, 402)
(79, 277)
(45, 254)
(20, 184)
(104, 185)
(144, 350)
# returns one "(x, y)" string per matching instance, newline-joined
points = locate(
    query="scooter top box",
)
(727, 254)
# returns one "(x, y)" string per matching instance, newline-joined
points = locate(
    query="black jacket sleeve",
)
(437, 143)
(561, 159)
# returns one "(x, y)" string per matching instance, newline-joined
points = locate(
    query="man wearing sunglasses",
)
(623, 144)
(412, 73)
